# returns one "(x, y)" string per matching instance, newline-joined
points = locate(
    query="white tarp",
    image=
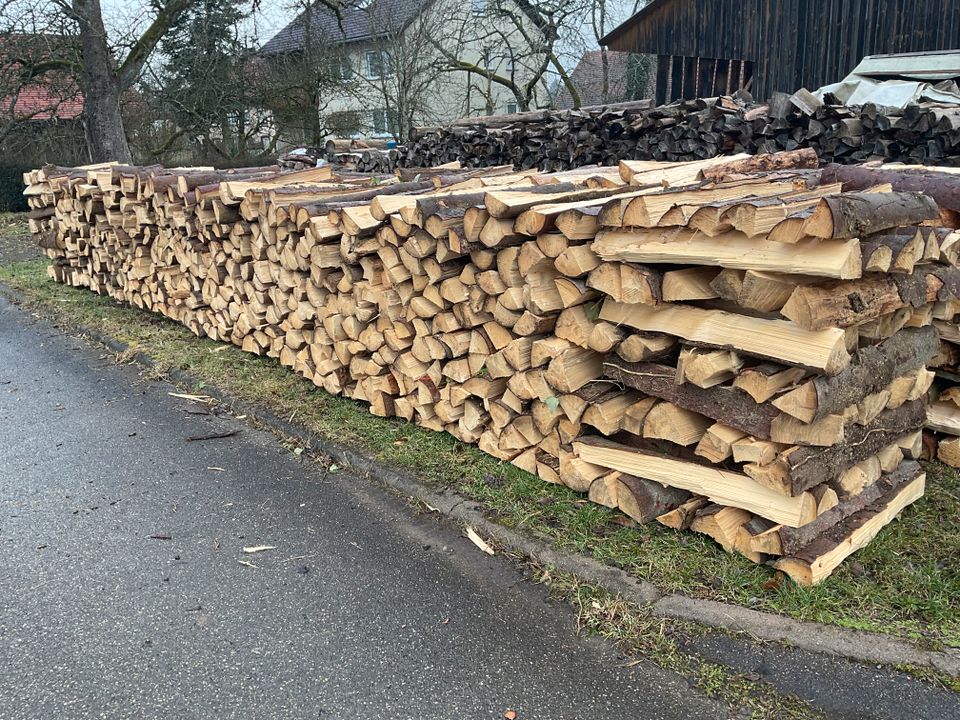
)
(899, 80)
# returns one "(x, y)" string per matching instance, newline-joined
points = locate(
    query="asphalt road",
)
(124, 591)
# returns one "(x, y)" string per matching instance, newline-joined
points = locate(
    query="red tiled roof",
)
(39, 101)
(48, 95)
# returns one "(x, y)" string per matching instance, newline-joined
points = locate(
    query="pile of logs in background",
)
(733, 346)
(693, 130)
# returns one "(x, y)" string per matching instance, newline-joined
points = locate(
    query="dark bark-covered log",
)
(873, 368)
(847, 303)
(807, 467)
(819, 558)
(793, 540)
(645, 500)
(729, 405)
(944, 188)
(853, 215)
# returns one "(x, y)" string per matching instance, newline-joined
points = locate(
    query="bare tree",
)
(32, 85)
(400, 69)
(104, 67)
(520, 46)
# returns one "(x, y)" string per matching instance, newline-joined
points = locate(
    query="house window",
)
(378, 63)
(340, 68)
(479, 7)
(383, 122)
(511, 108)
(487, 59)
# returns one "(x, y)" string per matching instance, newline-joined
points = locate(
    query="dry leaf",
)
(775, 582)
(510, 715)
(478, 541)
(258, 548)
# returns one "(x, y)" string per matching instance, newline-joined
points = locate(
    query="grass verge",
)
(905, 583)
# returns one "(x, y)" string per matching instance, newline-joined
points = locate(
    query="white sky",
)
(129, 16)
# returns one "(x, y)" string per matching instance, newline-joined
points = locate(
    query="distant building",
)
(588, 78)
(41, 108)
(391, 63)
(711, 47)
(42, 97)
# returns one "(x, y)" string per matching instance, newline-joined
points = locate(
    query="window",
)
(378, 63)
(340, 68)
(487, 59)
(479, 7)
(383, 122)
(511, 108)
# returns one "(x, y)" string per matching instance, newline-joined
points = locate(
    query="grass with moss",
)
(904, 583)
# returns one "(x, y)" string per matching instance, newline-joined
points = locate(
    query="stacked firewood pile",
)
(369, 156)
(731, 345)
(689, 130)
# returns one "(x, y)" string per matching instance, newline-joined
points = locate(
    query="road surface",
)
(125, 591)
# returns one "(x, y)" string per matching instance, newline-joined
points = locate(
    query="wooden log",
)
(845, 304)
(807, 467)
(720, 486)
(853, 215)
(803, 158)
(871, 370)
(832, 259)
(823, 350)
(645, 500)
(681, 517)
(943, 187)
(821, 557)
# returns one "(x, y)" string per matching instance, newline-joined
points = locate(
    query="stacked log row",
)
(689, 130)
(727, 345)
(943, 425)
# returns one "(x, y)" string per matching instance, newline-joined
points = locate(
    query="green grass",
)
(13, 224)
(640, 634)
(905, 583)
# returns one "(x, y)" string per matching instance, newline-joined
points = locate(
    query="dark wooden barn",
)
(709, 47)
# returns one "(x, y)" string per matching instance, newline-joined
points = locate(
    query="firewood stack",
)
(689, 130)
(730, 345)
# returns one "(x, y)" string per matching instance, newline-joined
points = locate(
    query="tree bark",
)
(794, 539)
(942, 187)
(103, 124)
(808, 466)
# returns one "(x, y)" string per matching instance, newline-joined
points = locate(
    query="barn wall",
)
(791, 43)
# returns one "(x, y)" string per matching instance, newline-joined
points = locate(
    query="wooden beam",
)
(720, 486)
(823, 350)
(831, 259)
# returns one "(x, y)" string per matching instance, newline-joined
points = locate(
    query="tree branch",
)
(130, 68)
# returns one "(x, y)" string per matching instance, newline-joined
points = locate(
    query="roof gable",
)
(357, 21)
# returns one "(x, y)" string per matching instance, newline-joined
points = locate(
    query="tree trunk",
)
(106, 139)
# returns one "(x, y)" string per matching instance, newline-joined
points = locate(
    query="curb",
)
(857, 645)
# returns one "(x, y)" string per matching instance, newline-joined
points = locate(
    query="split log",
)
(720, 486)
(845, 304)
(822, 556)
(853, 215)
(871, 370)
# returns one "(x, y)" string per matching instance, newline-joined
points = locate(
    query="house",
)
(711, 47)
(29, 94)
(391, 65)
(41, 108)
(624, 79)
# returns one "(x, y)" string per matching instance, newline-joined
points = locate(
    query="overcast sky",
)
(126, 16)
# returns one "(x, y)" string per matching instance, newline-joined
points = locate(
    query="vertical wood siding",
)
(791, 43)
